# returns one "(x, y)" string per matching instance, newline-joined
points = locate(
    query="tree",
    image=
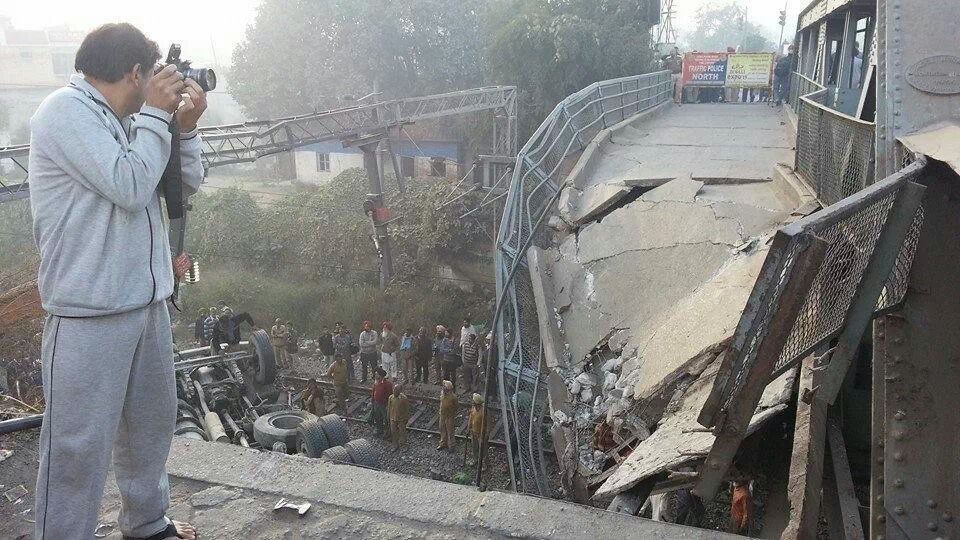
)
(719, 27)
(552, 48)
(297, 58)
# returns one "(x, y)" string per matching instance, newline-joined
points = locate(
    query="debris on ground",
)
(300, 509)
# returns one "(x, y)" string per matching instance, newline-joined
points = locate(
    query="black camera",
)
(205, 77)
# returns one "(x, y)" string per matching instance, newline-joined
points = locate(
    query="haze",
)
(209, 30)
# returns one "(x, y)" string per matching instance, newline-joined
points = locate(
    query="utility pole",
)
(375, 209)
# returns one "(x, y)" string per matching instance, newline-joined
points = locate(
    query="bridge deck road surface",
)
(229, 492)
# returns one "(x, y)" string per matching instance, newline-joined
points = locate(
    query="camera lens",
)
(205, 77)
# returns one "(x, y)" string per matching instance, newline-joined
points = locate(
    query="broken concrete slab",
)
(679, 439)
(580, 206)
(707, 316)
(660, 282)
(684, 189)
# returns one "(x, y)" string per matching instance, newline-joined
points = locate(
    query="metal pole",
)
(370, 163)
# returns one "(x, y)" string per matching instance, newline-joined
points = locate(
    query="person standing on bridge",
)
(98, 150)
(781, 76)
(448, 416)
(389, 345)
(398, 409)
(368, 351)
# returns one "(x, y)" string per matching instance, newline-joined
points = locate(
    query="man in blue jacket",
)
(98, 149)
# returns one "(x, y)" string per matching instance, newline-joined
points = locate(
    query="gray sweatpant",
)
(109, 385)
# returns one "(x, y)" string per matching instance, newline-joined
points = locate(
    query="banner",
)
(749, 70)
(704, 69)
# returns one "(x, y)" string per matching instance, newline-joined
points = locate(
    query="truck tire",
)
(279, 426)
(362, 453)
(311, 440)
(335, 429)
(264, 363)
(337, 454)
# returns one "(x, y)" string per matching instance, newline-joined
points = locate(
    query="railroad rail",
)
(424, 416)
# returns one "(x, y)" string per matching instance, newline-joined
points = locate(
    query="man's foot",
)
(440, 447)
(185, 530)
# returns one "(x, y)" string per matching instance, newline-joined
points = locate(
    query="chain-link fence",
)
(542, 165)
(835, 155)
(851, 230)
(801, 85)
(857, 237)
(835, 152)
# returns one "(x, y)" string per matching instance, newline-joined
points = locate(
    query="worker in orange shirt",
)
(448, 416)
(741, 507)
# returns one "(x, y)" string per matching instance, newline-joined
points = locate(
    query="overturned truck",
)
(231, 397)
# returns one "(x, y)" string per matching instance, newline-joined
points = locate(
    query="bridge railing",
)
(835, 151)
(801, 85)
(540, 170)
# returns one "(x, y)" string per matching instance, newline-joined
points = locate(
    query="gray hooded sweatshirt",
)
(97, 217)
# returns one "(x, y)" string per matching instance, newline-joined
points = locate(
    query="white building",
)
(319, 163)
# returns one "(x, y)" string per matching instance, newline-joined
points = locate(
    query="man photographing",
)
(98, 149)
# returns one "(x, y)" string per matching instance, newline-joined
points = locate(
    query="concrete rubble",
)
(653, 262)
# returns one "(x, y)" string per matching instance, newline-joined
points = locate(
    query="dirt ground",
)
(20, 469)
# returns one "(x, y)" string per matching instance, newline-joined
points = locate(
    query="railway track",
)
(424, 409)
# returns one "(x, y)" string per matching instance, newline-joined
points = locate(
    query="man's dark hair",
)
(110, 52)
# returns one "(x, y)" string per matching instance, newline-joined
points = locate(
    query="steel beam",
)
(846, 498)
(916, 403)
(806, 463)
(918, 71)
(245, 142)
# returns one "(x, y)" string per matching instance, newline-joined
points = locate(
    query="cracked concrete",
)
(660, 283)
(227, 491)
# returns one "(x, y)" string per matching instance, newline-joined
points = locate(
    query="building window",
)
(26, 55)
(438, 167)
(62, 64)
(323, 162)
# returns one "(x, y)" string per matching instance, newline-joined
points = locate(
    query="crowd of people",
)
(407, 356)
(394, 362)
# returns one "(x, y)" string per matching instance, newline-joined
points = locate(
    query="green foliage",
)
(309, 256)
(16, 235)
(719, 27)
(297, 57)
(551, 49)
(315, 304)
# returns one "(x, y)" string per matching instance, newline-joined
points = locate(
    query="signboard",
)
(704, 69)
(749, 70)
